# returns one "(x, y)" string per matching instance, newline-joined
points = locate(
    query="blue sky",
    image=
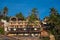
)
(25, 6)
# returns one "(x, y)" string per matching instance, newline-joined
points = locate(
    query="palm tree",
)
(33, 15)
(5, 11)
(34, 10)
(53, 11)
(20, 15)
(54, 20)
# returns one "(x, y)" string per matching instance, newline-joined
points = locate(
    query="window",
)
(14, 29)
(13, 19)
(24, 28)
(35, 28)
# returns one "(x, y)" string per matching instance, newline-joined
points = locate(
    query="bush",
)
(1, 30)
(45, 38)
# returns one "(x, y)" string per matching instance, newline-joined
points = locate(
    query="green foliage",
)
(54, 20)
(53, 11)
(5, 10)
(34, 11)
(46, 38)
(33, 15)
(1, 30)
(3, 14)
(20, 15)
(6, 18)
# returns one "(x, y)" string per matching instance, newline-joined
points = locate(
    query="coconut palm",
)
(53, 11)
(5, 11)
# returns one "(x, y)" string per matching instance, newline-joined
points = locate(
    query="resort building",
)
(24, 27)
(17, 27)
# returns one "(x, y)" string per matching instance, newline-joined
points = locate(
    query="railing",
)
(24, 30)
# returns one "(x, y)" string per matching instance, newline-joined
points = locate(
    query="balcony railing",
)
(24, 30)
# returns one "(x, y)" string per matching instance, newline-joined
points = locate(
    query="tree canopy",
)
(33, 15)
(20, 15)
(5, 11)
(54, 20)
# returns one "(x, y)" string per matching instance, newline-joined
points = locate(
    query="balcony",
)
(24, 30)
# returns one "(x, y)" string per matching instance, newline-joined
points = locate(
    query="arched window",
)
(13, 19)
